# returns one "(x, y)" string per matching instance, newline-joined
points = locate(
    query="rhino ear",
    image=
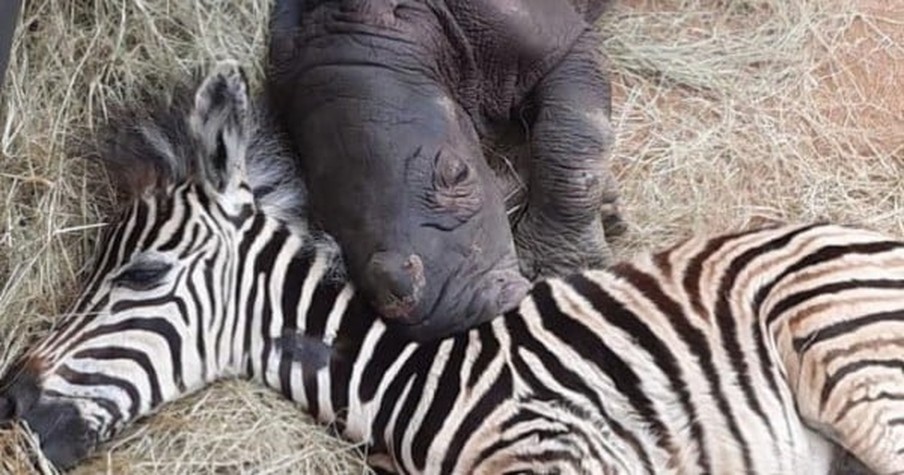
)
(220, 121)
(286, 15)
(285, 21)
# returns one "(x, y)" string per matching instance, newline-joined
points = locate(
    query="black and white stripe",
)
(741, 353)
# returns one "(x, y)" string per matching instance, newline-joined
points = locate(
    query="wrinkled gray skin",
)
(391, 102)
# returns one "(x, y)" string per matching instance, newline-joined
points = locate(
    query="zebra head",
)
(140, 333)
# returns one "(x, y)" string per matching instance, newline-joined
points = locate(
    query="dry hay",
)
(729, 114)
(733, 113)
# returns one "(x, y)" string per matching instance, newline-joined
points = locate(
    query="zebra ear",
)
(220, 121)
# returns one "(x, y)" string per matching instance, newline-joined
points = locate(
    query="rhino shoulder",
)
(526, 29)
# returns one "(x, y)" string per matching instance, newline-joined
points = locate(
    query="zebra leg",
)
(848, 381)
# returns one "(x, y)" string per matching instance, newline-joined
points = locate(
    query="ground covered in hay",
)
(729, 114)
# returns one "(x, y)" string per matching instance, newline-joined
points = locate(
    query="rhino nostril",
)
(397, 276)
(397, 282)
(412, 263)
(409, 278)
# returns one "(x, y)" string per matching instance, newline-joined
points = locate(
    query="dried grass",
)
(735, 113)
(728, 113)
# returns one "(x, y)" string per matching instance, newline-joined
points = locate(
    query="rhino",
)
(390, 104)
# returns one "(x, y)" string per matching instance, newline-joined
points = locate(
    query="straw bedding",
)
(729, 114)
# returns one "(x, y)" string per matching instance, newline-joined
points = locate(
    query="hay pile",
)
(728, 113)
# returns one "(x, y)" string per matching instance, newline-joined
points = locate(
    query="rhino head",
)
(393, 164)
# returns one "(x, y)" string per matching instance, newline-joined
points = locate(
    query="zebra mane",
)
(146, 146)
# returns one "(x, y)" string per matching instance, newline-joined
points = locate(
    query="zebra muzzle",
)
(64, 435)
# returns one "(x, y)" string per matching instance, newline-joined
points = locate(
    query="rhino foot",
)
(548, 249)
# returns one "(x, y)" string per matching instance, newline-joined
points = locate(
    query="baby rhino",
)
(389, 103)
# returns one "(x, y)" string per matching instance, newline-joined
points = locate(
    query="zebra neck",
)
(301, 326)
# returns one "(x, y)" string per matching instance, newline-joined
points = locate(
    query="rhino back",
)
(489, 53)
(512, 44)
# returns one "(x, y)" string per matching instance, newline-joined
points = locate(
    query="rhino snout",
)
(396, 282)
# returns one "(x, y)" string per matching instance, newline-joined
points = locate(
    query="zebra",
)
(775, 350)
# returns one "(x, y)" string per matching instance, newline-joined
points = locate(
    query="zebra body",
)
(743, 353)
(612, 371)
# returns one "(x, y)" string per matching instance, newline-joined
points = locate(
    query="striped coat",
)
(753, 352)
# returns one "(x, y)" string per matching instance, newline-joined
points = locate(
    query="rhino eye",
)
(461, 173)
(451, 170)
(142, 275)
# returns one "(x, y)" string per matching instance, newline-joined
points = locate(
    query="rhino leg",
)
(573, 196)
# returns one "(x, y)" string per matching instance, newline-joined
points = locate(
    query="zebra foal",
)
(753, 352)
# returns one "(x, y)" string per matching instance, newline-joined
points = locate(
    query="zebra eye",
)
(142, 275)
